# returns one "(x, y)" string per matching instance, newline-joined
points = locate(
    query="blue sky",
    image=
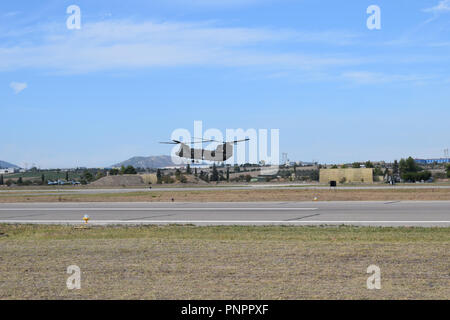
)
(137, 70)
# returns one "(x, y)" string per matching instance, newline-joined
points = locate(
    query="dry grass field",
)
(240, 195)
(187, 262)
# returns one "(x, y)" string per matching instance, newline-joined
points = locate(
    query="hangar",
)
(361, 175)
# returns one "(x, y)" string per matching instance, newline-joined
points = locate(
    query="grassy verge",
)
(233, 262)
(240, 195)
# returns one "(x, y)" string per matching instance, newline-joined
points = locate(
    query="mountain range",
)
(147, 162)
(6, 165)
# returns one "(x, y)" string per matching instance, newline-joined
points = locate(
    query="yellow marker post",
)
(86, 219)
(315, 199)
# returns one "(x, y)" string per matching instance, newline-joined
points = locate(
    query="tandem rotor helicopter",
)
(223, 152)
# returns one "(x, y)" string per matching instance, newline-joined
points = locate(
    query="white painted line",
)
(158, 209)
(220, 221)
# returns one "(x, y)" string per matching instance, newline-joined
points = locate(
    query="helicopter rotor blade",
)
(236, 141)
(180, 142)
(171, 142)
(204, 140)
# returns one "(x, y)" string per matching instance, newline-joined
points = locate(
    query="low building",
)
(361, 175)
(431, 161)
(7, 171)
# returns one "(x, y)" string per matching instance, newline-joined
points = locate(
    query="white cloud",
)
(111, 45)
(11, 14)
(18, 86)
(442, 6)
(364, 77)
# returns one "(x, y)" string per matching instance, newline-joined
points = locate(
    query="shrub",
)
(416, 176)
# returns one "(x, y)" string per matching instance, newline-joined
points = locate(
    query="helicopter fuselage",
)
(223, 152)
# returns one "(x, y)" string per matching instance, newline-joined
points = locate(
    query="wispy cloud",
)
(363, 77)
(18, 86)
(442, 6)
(116, 44)
(439, 44)
(11, 14)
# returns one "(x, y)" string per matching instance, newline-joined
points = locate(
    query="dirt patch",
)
(119, 181)
(242, 195)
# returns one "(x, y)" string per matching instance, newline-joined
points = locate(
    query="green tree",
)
(188, 169)
(228, 174)
(448, 171)
(214, 174)
(369, 164)
(411, 165)
(395, 168)
(114, 172)
(129, 170)
(67, 175)
(411, 171)
(1, 180)
(402, 166)
(408, 166)
(377, 171)
(87, 176)
(344, 166)
(356, 165)
(158, 176)
(42, 178)
(416, 176)
(334, 166)
(20, 181)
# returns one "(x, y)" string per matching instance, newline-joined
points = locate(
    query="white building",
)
(6, 171)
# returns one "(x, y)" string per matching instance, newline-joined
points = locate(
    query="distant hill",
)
(147, 162)
(6, 165)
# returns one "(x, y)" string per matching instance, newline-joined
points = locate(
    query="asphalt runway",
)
(362, 213)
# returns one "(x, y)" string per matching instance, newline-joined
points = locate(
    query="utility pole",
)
(284, 157)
